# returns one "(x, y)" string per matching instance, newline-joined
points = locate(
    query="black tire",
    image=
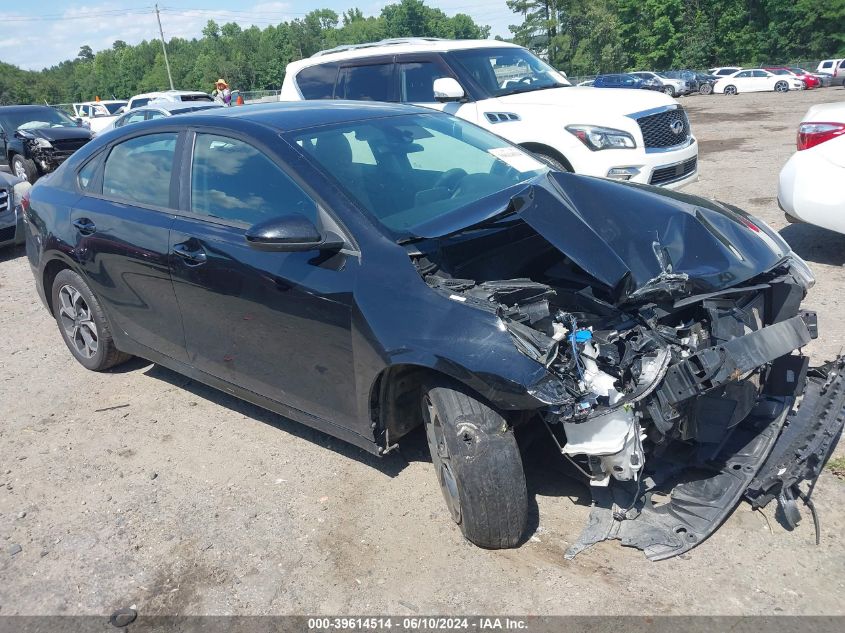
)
(88, 323)
(781, 86)
(478, 466)
(24, 167)
(668, 90)
(705, 89)
(552, 162)
(730, 89)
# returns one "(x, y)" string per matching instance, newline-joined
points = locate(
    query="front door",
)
(132, 194)
(415, 76)
(275, 323)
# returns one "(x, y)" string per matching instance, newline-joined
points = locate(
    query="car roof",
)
(296, 115)
(164, 93)
(395, 46)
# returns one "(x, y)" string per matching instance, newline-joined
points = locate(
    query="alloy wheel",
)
(77, 321)
(20, 171)
(442, 458)
(781, 86)
(730, 90)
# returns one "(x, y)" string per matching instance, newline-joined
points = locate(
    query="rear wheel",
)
(478, 466)
(83, 324)
(781, 86)
(669, 90)
(24, 168)
(730, 90)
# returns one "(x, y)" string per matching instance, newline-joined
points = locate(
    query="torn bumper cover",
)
(770, 454)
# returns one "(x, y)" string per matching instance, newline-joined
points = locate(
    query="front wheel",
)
(781, 86)
(24, 168)
(730, 90)
(83, 324)
(705, 89)
(478, 466)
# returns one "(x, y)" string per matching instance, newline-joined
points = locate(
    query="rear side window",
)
(138, 170)
(231, 180)
(366, 83)
(416, 81)
(317, 82)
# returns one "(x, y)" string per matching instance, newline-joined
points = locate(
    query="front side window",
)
(416, 81)
(233, 181)
(418, 168)
(366, 83)
(317, 82)
(138, 170)
(504, 71)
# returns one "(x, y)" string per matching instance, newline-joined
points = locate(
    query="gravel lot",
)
(142, 487)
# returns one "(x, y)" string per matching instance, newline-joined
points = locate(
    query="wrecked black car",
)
(35, 140)
(367, 269)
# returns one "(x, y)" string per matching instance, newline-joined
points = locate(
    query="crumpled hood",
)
(591, 99)
(638, 240)
(57, 133)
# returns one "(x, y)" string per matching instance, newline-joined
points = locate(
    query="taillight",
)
(812, 134)
(25, 201)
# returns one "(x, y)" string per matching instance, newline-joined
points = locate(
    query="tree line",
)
(578, 36)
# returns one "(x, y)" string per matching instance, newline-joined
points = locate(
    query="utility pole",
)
(164, 48)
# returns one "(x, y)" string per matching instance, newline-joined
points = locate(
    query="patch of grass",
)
(837, 466)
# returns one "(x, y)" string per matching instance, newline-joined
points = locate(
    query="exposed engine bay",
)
(667, 401)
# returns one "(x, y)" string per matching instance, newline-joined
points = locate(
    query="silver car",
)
(12, 190)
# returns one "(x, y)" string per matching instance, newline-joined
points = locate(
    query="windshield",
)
(30, 119)
(409, 170)
(505, 71)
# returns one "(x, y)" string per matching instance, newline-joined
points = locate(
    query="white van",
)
(637, 135)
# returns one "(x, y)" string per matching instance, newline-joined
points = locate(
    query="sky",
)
(41, 33)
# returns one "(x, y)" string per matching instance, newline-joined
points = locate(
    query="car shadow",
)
(815, 244)
(391, 464)
(12, 252)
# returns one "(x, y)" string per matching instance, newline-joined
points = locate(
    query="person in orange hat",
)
(222, 93)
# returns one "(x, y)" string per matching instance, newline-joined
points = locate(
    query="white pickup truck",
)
(634, 135)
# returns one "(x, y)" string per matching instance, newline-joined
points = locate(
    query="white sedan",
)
(810, 183)
(756, 80)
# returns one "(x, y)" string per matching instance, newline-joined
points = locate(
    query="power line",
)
(86, 16)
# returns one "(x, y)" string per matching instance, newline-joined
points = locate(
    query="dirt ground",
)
(140, 487)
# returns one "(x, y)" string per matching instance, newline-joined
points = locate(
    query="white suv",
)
(637, 135)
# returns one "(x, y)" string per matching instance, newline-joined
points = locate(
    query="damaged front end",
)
(675, 395)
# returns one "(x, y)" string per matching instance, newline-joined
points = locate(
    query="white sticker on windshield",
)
(516, 158)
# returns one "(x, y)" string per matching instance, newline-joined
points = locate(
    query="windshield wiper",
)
(532, 89)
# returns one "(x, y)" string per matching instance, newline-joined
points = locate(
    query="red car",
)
(810, 81)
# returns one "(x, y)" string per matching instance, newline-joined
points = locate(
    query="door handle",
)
(84, 226)
(192, 256)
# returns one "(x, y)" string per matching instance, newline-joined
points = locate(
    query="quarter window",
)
(233, 181)
(366, 83)
(317, 82)
(138, 170)
(86, 175)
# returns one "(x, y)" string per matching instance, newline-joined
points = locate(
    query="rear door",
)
(275, 323)
(122, 224)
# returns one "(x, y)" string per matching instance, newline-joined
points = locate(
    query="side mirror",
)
(291, 233)
(447, 89)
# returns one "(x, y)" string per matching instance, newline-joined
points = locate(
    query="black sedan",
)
(367, 269)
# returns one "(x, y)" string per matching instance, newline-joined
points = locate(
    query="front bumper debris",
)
(769, 455)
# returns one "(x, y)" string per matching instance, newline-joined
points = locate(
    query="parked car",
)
(706, 82)
(690, 77)
(724, 71)
(370, 268)
(158, 109)
(757, 80)
(826, 79)
(35, 140)
(14, 193)
(809, 81)
(669, 86)
(637, 135)
(168, 95)
(836, 68)
(98, 114)
(618, 81)
(810, 187)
